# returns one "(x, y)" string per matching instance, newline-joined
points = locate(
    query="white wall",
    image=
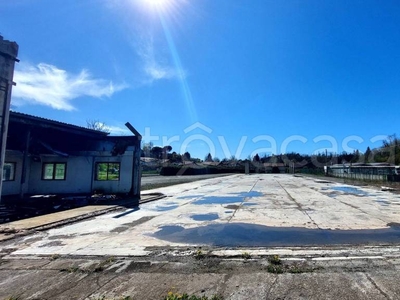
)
(13, 187)
(80, 174)
(123, 185)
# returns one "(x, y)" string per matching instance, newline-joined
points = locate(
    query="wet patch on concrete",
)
(190, 197)
(119, 229)
(250, 194)
(331, 194)
(53, 244)
(252, 235)
(393, 225)
(383, 202)
(218, 200)
(234, 207)
(237, 197)
(61, 236)
(165, 208)
(168, 230)
(205, 217)
(249, 204)
(138, 221)
(34, 239)
(350, 190)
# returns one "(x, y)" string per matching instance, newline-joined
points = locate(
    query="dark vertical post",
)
(136, 170)
(25, 164)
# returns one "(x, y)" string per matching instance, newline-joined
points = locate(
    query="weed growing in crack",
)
(276, 269)
(176, 296)
(114, 298)
(55, 256)
(275, 260)
(13, 298)
(300, 268)
(72, 269)
(199, 254)
(275, 265)
(100, 267)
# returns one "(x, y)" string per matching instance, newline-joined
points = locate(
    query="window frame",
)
(54, 171)
(14, 164)
(108, 163)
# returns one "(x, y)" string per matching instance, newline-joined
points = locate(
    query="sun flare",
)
(157, 4)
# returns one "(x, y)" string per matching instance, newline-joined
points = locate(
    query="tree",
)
(186, 156)
(208, 158)
(165, 151)
(97, 125)
(175, 157)
(256, 158)
(156, 152)
(367, 155)
(356, 156)
(167, 148)
(147, 149)
(233, 158)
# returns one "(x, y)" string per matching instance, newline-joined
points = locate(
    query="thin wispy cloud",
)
(115, 130)
(154, 56)
(154, 67)
(49, 85)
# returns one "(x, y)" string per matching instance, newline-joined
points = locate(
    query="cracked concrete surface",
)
(350, 235)
(257, 210)
(76, 278)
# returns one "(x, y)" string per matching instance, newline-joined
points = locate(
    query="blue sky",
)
(228, 76)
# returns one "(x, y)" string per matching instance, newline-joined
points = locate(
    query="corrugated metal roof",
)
(19, 116)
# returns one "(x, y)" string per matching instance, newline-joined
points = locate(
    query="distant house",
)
(275, 167)
(49, 157)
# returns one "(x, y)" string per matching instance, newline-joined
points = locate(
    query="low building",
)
(369, 171)
(275, 167)
(49, 157)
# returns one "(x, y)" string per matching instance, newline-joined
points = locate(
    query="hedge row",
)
(171, 171)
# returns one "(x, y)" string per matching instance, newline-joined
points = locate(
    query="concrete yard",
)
(234, 211)
(326, 225)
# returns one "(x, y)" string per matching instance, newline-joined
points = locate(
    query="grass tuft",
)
(176, 296)
(199, 254)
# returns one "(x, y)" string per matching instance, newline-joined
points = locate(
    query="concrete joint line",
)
(253, 186)
(99, 287)
(377, 286)
(270, 288)
(298, 205)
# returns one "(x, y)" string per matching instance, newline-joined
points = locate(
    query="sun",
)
(157, 4)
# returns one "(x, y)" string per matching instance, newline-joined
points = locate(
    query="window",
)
(9, 171)
(54, 171)
(107, 171)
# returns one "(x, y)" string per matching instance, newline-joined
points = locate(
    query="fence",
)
(361, 176)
